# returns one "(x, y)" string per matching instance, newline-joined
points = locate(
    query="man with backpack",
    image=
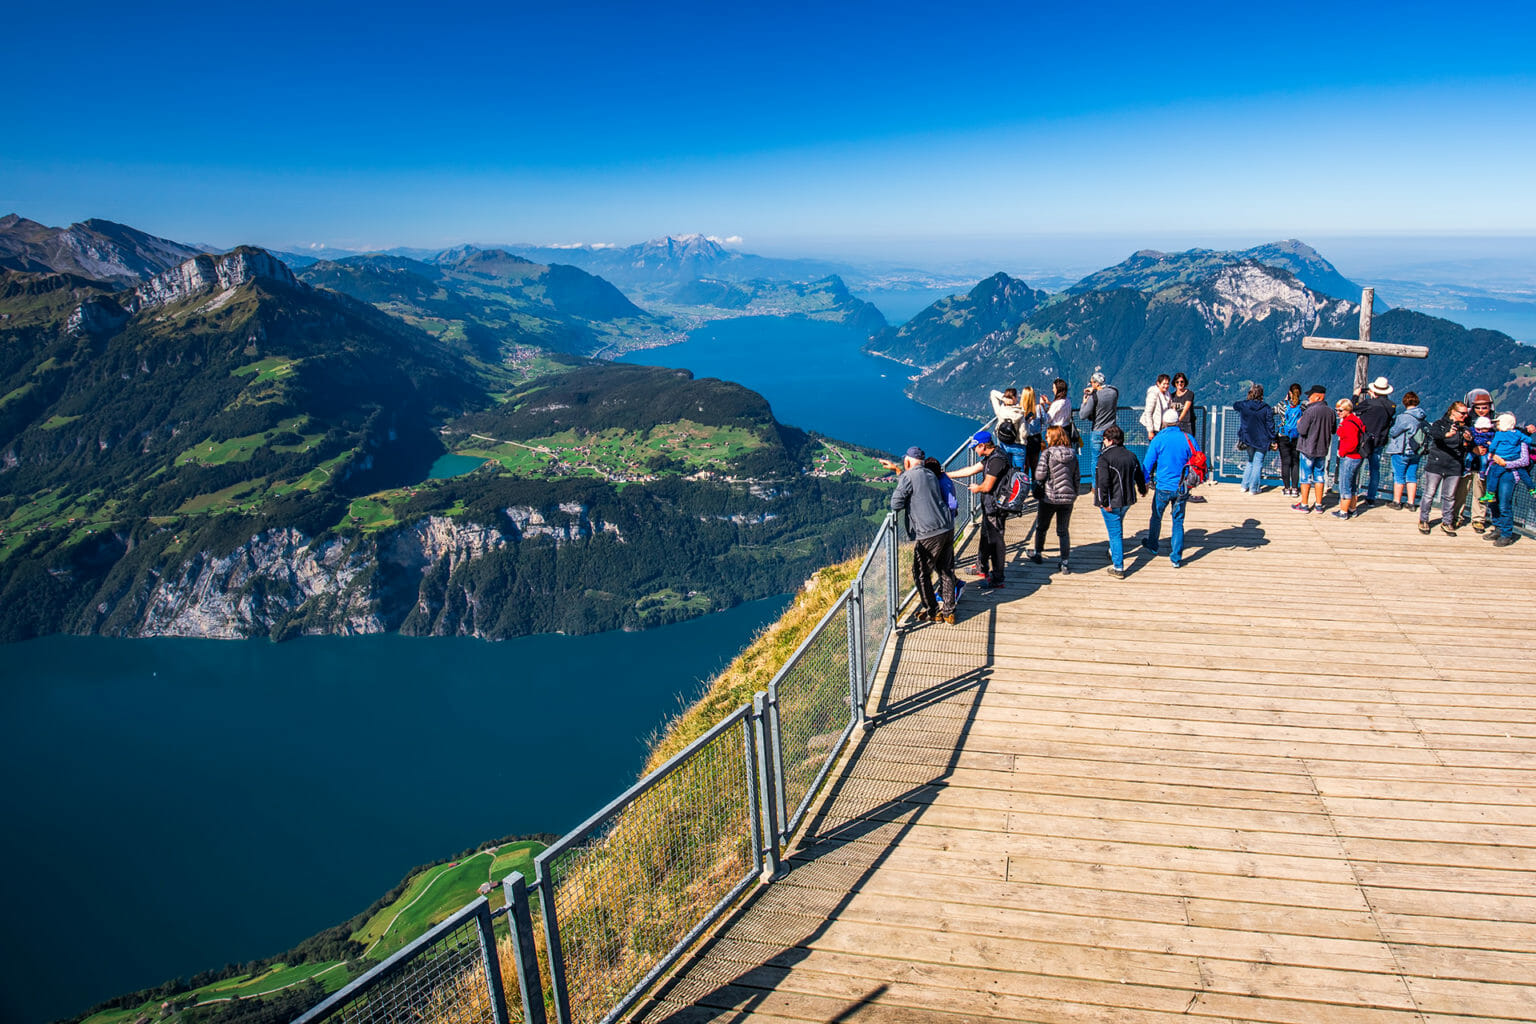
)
(994, 466)
(930, 522)
(1174, 464)
(1376, 410)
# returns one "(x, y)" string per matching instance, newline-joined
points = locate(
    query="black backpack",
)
(1007, 432)
(1011, 492)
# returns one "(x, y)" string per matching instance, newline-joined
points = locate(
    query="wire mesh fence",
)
(813, 713)
(875, 611)
(449, 975)
(631, 885)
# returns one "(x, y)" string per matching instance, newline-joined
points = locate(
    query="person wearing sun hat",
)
(1376, 411)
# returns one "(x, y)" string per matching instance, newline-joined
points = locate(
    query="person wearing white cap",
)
(1377, 411)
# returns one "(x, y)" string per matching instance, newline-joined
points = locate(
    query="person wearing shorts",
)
(1314, 437)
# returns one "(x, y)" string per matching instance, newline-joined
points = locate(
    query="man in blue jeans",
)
(1101, 403)
(1167, 456)
(1119, 479)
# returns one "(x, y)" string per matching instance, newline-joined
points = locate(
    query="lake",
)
(174, 804)
(816, 378)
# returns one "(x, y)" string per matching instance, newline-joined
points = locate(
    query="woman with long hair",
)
(1034, 425)
(1058, 483)
(1289, 412)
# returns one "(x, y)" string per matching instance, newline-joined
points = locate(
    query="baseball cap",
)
(916, 453)
(1317, 389)
(1483, 423)
(981, 437)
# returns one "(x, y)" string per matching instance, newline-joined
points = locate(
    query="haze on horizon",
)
(868, 131)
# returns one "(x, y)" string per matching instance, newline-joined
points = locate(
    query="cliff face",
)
(282, 583)
(204, 274)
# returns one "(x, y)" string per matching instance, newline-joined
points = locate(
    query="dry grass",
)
(755, 666)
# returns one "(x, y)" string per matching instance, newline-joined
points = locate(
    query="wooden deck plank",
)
(1289, 782)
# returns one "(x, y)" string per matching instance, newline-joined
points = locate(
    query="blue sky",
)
(862, 128)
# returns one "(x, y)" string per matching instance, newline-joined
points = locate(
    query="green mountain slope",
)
(492, 303)
(1226, 326)
(228, 451)
(996, 304)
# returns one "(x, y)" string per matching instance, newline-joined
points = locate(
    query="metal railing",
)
(624, 894)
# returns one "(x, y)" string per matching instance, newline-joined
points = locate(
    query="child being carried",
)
(1508, 452)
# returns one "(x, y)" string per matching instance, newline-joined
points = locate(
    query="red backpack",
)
(1196, 469)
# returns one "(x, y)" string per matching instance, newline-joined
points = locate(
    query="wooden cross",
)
(1364, 347)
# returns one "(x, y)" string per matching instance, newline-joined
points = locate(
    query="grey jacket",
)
(1100, 407)
(1057, 473)
(928, 514)
(1403, 427)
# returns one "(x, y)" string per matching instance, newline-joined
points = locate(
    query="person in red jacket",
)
(1351, 434)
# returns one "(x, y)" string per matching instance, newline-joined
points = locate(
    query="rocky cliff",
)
(283, 583)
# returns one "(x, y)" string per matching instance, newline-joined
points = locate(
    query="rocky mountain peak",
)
(101, 250)
(207, 274)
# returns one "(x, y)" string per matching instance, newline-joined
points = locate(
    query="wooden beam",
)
(1373, 348)
(1363, 360)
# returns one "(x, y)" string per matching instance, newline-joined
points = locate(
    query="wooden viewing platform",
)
(1294, 780)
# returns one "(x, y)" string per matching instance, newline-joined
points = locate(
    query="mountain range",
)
(1227, 319)
(223, 449)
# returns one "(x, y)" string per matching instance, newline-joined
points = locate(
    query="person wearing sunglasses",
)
(1443, 467)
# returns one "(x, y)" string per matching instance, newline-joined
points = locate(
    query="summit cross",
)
(1363, 347)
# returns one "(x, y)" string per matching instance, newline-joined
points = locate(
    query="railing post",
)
(856, 652)
(526, 957)
(552, 944)
(893, 585)
(768, 784)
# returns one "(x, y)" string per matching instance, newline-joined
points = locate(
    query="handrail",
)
(627, 891)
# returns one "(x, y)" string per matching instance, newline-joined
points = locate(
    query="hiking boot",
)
(948, 618)
(1479, 526)
(1424, 527)
(1503, 541)
(1447, 530)
(1299, 507)
(1340, 514)
(1066, 570)
(922, 615)
(1118, 574)
(1491, 535)
(1034, 556)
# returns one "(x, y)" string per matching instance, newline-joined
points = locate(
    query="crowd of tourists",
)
(1035, 444)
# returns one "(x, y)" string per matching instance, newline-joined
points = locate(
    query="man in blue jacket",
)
(1167, 456)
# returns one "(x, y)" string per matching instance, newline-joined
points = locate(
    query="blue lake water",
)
(171, 805)
(451, 465)
(815, 377)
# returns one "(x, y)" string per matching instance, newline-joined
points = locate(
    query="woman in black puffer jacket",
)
(1441, 469)
(1057, 477)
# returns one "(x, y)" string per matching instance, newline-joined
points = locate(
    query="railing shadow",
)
(880, 796)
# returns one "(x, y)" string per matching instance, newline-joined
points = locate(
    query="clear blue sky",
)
(818, 127)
